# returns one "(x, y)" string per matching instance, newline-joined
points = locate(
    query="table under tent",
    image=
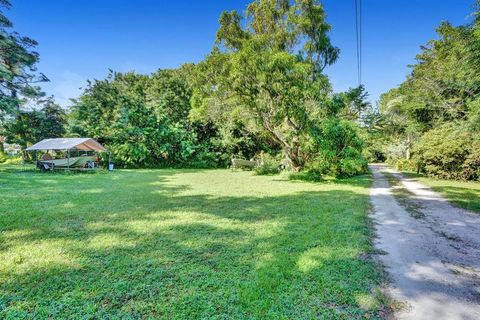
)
(67, 154)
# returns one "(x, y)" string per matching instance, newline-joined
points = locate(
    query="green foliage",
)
(339, 149)
(407, 165)
(442, 83)
(434, 116)
(261, 89)
(31, 126)
(18, 77)
(268, 165)
(306, 175)
(10, 160)
(259, 76)
(396, 151)
(451, 151)
(143, 120)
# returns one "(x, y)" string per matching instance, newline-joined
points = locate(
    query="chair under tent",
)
(77, 154)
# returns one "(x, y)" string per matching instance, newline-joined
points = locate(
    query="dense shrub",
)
(340, 150)
(143, 121)
(406, 165)
(396, 151)
(267, 165)
(6, 159)
(306, 175)
(451, 151)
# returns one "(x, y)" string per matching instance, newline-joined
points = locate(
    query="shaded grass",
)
(461, 193)
(184, 244)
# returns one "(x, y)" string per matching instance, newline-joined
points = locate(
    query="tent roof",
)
(86, 144)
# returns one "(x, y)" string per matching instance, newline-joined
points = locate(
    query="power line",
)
(357, 42)
(358, 36)
(361, 44)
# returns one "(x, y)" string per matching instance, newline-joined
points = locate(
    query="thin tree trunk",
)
(408, 146)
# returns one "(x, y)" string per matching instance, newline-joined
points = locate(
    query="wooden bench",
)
(243, 164)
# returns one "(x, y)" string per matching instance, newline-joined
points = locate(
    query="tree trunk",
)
(291, 149)
(408, 147)
(294, 158)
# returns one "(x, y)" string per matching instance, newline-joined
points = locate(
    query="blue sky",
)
(82, 39)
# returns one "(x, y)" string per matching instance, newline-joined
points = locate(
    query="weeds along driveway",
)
(431, 249)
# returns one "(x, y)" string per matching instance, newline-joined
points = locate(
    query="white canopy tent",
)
(67, 144)
(84, 144)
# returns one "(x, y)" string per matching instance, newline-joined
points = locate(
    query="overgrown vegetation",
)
(430, 123)
(262, 89)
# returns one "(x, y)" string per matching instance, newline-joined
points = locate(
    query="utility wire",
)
(361, 44)
(358, 36)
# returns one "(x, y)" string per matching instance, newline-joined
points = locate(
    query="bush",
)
(306, 175)
(406, 165)
(396, 151)
(6, 159)
(340, 150)
(268, 165)
(451, 151)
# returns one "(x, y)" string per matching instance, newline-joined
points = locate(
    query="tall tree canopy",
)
(31, 126)
(143, 119)
(439, 101)
(266, 71)
(18, 71)
(261, 90)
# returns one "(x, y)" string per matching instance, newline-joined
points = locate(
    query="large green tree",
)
(442, 93)
(262, 89)
(31, 126)
(143, 119)
(18, 71)
(266, 71)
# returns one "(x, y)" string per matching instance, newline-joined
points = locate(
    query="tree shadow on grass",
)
(154, 251)
(463, 197)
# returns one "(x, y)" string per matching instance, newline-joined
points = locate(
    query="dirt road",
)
(430, 249)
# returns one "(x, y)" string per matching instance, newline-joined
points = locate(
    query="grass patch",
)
(404, 197)
(184, 244)
(461, 193)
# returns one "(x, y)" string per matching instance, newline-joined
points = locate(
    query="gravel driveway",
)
(430, 248)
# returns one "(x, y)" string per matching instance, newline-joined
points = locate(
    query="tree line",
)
(261, 92)
(431, 122)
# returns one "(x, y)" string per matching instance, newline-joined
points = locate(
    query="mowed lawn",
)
(465, 194)
(184, 244)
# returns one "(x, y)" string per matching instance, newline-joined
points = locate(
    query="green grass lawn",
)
(184, 244)
(462, 193)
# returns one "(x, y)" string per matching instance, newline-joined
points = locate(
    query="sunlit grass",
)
(465, 194)
(184, 244)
